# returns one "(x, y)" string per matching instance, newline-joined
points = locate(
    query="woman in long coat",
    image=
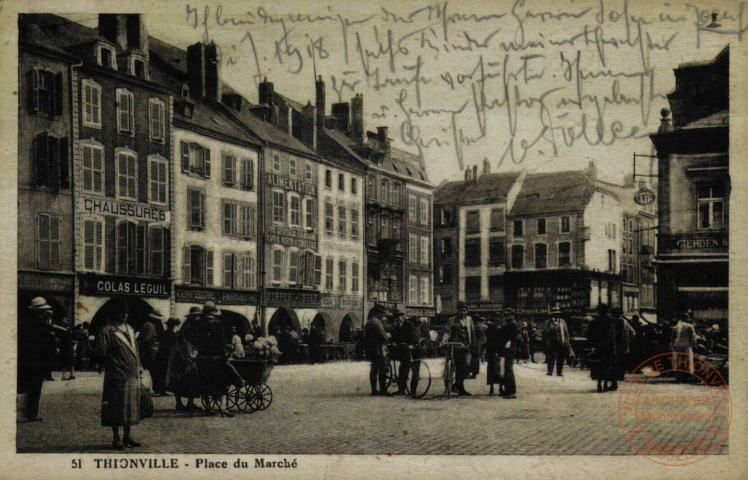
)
(181, 370)
(493, 375)
(120, 403)
(212, 360)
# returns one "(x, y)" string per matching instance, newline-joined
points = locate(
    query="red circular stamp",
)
(675, 425)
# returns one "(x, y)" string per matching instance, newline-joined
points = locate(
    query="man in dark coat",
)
(405, 338)
(375, 339)
(36, 352)
(510, 339)
(557, 342)
(461, 329)
(149, 338)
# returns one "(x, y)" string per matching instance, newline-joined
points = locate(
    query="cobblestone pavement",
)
(327, 409)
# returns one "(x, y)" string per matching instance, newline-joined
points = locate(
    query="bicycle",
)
(450, 369)
(419, 374)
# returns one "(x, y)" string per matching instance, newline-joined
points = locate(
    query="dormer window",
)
(106, 57)
(185, 91)
(138, 66)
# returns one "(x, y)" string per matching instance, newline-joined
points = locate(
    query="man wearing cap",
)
(557, 342)
(36, 351)
(405, 338)
(461, 329)
(375, 339)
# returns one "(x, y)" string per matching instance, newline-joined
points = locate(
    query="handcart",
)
(255, 394)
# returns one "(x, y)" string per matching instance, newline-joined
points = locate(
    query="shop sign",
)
(702, 242)
(327, 301)
(107, 285)
(45, 283)
(290, 237)
(290, 184)
(185, 294)
(644, 196)
(484, 307)
(419, 312)
(349, 302)
(387, 305)
(278, 297)
(147, 213)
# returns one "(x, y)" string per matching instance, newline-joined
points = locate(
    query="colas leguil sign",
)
(106, 285)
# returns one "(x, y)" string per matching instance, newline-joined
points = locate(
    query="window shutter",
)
(41, 160)
(111, 245)
(132, 247)
(206, 163)
(89, 238)
(64, 164)
(185, 148)
(43, 241)
(202, 210)
(318, 270)
(141, 250)
(58, 94)
(186, 271)
(167, 253)
(131, 110)
(33, 85)
(209, 268)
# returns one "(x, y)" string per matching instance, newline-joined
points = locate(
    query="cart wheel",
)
(254, 397)
(244, 399)
(231, 394)
(265, 394)
(205, 400)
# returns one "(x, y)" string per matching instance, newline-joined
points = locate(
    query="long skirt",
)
(493, 372)
(120, 402)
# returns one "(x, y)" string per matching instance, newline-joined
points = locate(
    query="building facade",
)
(694, 194)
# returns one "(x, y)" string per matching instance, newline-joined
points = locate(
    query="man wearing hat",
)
(557, 342)
(405, 338)
(36, 352)
(461, 329)
(149, 338)
(375, 340)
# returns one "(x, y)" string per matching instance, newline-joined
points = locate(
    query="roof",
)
(554, 192)
(56, 32)
(336, 147)
(213, 119)
(490, 187)
(719, 119)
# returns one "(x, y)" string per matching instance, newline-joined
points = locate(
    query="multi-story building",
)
(45, 197)
(563, 244)
(470, 239)
(694, 193)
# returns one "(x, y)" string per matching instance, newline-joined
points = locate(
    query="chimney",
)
(320, 102)
(383, 140)
(486, 167)
(137, 34)
(628, 181)
(341, 112)
(357, 118)
(309, 125)
(212, 73)
(233, 101)
(592, 170)
(267, 92)
(196, 70)
(467, 174)
(475, 173)
(113, 27)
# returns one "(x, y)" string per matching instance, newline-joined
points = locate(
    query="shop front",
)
(340, 316)
(238, 307)
(288, 308)
(57, 289)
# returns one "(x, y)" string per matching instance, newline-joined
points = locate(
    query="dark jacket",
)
(375, 338)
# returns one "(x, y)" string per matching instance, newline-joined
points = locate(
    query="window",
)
(354, 186)
(156, 119)
(496, 288)
(317, 271)
(518, 256)
(294, 209)
(564, 254)
(445, 216)
(397, 194)
(195, 159)
(354, 223)
(106, 57)
(425, 297)
(45, 92)
(446, 244)
(371, 187)
(496, 252)
(229, 170)
(138, 68)
(127, 176)
(413, 248)
(497, 219)
(125, 112)
(329, 218)
(248, 174)
(157, 178)
(445, 274)
(158, 251)
(293, 267)
(93, 168)
(614, 230)
(612, 261)
(396, 227)
(424, 250)
(127, 248)
(472, 289)
(518, 230)
(385, 194)
(472, 252)
(342, 274)
(279, 206)
(50, 161)
(342, 218)
(277, 265)
(711, 208)
(329, 263)
(384, 228)
(541, 226)
(91, 104)
(228, 270)
(472, 221)
(292, 167)
(565, 224)
(354, 277)
(308, 175)
(412, 289)
(412, 209)
(48, 241)
(341, 182)
(309, 212)
(230, 218)
(197, 267)
(247, 226)
(328, 179)
(371, 231)
(93, 244)
(276, 163)
(196, 209)
(541, 255)
(424, 211)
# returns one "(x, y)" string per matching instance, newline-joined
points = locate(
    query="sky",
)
(527, 84)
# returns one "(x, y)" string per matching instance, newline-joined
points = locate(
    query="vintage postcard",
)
(298, 239)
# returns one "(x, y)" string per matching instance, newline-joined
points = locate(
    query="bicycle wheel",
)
(449, 376)
(265, 395)
(419, 377)
(391, 375)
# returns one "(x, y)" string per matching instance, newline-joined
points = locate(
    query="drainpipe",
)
(72, 166)
(260, 218)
